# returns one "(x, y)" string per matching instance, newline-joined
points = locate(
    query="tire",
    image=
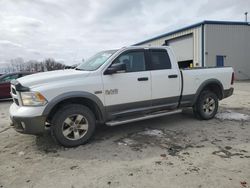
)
(206, 106)
(73, 125)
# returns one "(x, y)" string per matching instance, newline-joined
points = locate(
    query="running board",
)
(117, 122)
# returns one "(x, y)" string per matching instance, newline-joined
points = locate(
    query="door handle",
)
(173, 76)
(142, 79)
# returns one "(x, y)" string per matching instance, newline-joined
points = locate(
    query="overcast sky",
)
(69, 30)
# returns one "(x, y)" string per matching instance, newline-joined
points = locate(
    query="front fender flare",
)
(74, 94)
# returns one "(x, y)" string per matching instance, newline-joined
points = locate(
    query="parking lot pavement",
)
(172, 151)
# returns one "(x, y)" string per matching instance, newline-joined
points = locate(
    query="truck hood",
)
(39, 79)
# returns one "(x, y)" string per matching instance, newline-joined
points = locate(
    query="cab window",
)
(134, 61)
(160, 60)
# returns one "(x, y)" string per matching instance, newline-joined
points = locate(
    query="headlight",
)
(33, 99)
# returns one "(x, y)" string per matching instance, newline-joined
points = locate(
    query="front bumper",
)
(28, 125)
(27, 120)
(228, 92)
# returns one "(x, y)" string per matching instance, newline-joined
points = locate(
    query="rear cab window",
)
(159, 59)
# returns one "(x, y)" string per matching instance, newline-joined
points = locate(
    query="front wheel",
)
(73, 125)
(206, 106)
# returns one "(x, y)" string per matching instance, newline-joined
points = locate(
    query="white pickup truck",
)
(115, 87)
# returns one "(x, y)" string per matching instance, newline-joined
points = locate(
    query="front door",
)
(128, 92)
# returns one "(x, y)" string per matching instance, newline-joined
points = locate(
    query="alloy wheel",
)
(75, 127)
(208, 105)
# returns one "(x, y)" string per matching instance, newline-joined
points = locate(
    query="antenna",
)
(246, 16)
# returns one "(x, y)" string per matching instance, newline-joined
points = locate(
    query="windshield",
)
(8, 78)
(95, 61)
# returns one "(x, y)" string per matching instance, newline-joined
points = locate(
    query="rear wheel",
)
(73, 125)
(206, 106)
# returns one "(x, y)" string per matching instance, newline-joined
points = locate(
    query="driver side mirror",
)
(117, 67)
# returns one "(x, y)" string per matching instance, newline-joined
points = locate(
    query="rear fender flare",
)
(204, 85)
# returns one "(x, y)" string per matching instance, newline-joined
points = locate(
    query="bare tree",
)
(18, 64)
(51, 64)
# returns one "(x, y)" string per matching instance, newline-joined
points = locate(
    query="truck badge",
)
(111, 91)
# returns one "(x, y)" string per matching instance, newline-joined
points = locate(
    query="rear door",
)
(165, 80)
(128, 92)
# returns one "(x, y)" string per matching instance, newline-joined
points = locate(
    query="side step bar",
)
(164, 113)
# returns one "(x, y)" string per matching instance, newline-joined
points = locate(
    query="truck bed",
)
(194, 77)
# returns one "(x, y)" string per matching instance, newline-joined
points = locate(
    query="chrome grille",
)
(13, 90)
(16, 101)
(14, 95)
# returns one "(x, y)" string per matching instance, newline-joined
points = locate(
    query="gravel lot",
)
(172, 151)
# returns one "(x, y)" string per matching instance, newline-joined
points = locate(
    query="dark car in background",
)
(5, 83)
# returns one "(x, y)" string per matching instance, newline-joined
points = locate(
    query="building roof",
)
(193, 26)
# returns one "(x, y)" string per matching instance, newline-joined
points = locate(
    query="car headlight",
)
(33, 99)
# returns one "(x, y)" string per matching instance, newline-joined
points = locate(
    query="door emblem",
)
(111, 91)
(98, 92)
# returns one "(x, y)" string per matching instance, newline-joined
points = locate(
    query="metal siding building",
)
(210, 43)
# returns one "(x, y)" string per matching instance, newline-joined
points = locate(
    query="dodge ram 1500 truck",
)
(115, 87)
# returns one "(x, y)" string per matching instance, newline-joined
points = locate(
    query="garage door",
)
(183, 47)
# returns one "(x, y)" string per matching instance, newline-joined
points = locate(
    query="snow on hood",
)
(50, 76)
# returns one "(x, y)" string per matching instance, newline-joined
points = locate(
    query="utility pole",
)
(246, 16)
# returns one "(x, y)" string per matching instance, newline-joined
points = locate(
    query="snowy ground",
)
(231, 115)
(172, 151)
